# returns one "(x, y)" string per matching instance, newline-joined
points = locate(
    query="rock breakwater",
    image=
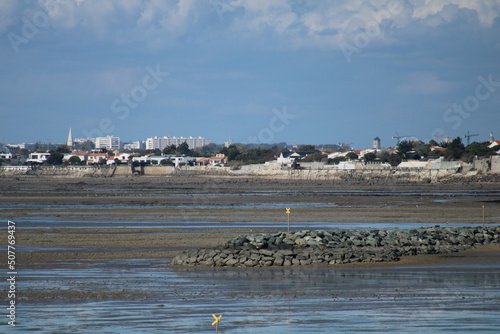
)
(320, 247)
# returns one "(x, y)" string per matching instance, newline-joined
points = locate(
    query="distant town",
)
(200, 151)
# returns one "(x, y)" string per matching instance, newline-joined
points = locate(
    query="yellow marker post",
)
(287, 211)
(216, 322)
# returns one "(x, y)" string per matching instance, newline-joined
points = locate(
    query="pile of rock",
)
(336, 247)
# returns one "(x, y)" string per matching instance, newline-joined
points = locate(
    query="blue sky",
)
(305, 71)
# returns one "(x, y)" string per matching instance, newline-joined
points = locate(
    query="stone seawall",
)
(57, 171)
(362, 176)
(337, 247)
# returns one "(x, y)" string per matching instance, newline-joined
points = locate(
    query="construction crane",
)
(398, 137)
(468, 135)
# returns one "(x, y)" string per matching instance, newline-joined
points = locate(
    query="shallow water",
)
(159, 299)
(145, 296)
(52, 222)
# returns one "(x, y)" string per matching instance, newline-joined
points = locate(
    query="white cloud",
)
(487, 10)
(306, 23)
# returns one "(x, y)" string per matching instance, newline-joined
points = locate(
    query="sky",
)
(255, 71)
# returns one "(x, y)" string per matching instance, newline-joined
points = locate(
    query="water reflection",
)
(144, 296)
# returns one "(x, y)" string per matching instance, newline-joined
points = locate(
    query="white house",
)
(124, 158)
(5, 155)
(142, 159)
(182, 160)
(96, 158)
(495, 144)
(334, 155)
(218, 159)
(38, 158)
(83, 155)
(288, 158)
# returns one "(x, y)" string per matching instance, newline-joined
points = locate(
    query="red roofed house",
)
(218, 159)
(437, 148)
(96, 158)
(123, 158)
(494, 143)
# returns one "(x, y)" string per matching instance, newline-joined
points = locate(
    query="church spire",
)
(69, 143)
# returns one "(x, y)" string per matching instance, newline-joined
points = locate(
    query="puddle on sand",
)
(149, 298)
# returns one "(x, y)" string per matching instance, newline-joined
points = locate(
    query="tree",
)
(394, 160)
(307, 148)
(404, 147)
(172, 149)
(75, 160)
(335, 161)
(55, 158)
(369, 157)
(455, 149)
(63, 149)
(384, 155)
(480, 149)
(424, 151)
(183, 149)
(210, 149)
(231, 152)
(352, 156)
(318, 156)
(436, 154)
(477, 149)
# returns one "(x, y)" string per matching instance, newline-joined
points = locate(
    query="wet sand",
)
(218, 200)
(93, 254)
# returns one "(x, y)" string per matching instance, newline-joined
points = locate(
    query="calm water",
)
(145, 296)
(161, 300)
(48, 222)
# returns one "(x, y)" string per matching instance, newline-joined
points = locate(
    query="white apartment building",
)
(136, 145)
(162, 142)
(109, 142)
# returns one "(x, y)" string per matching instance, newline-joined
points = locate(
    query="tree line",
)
(254, 154)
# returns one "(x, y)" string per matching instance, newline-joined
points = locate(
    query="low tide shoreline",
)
(61, 201)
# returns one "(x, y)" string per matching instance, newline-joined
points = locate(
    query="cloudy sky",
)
(299, 71)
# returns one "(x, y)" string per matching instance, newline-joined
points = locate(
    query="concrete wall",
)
(59, 171)
(318, 171)
(481, 165)
(495, 164)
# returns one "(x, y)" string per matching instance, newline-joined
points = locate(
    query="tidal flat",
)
(93, 255)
